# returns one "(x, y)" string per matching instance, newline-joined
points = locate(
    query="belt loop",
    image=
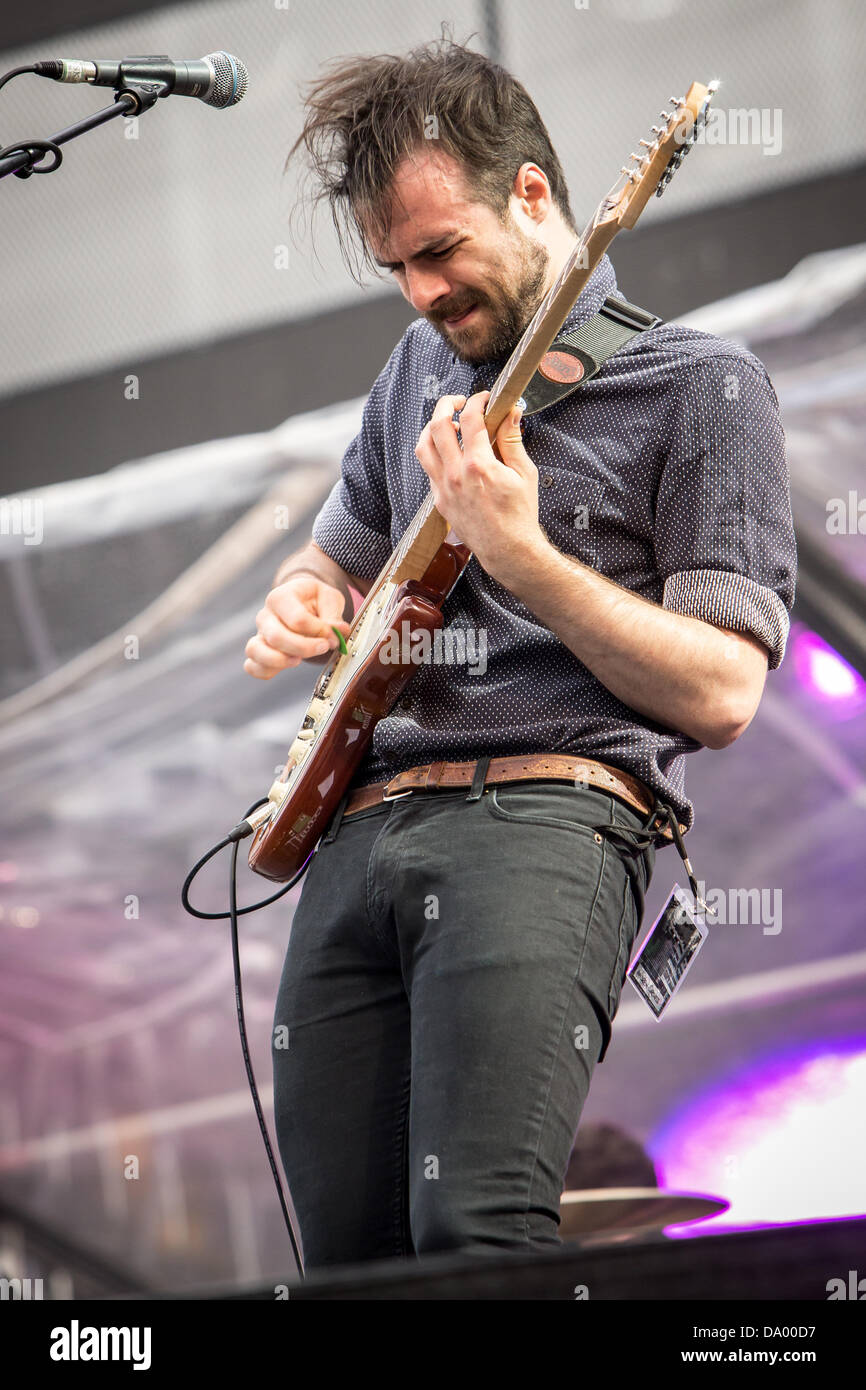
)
(331, 833)
(657, 818)
(478, 778)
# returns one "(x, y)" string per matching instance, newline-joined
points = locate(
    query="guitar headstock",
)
(653, 170)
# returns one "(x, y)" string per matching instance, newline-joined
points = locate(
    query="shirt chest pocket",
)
(570, 510)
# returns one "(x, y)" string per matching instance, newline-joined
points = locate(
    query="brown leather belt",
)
(559, 767)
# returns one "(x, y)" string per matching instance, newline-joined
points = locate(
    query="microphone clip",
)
(143, 94)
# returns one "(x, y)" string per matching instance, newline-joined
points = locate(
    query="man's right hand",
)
(295, 625)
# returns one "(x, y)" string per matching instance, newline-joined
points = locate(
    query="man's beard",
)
(515, 297)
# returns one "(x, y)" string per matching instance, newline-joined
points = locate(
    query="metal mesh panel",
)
(142, 246)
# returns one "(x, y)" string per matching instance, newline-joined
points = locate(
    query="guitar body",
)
(353, 693)
(359, 687)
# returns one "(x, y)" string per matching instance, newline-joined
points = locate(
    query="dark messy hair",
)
(367, 114)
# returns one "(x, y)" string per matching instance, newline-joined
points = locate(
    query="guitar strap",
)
(576, 357)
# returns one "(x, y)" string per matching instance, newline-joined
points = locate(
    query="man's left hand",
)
(492, 505)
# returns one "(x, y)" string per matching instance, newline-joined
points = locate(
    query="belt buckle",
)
(395, 796)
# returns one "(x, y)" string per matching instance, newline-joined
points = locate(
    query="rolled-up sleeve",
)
(354, 524)
(724, 533)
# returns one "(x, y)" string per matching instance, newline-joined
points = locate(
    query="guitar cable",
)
(240, 831)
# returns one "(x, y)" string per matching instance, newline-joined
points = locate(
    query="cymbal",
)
(618, 1213)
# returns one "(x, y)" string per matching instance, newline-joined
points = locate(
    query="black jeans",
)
(451, 976)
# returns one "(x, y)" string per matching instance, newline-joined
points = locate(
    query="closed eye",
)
(432, 255)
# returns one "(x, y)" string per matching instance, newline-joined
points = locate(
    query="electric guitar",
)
(359, 686)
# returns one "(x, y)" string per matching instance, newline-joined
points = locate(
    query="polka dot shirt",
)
(666, 472)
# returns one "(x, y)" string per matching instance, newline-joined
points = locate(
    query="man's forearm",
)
(677, 670)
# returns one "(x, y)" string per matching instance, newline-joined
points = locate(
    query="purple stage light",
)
(825, 675)
(782, 1140)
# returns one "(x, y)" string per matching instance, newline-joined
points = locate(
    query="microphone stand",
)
(130, 99)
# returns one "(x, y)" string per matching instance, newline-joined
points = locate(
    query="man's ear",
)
(532, 190)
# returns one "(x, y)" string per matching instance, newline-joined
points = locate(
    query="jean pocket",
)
(560, 805)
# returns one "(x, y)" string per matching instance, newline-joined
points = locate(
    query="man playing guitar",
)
(459, 948)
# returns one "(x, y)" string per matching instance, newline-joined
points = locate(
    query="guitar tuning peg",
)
(657, 129)
(665, 115)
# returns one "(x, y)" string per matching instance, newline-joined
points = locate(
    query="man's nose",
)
(424, 288)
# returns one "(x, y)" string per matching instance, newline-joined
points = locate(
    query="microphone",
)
(219, 79)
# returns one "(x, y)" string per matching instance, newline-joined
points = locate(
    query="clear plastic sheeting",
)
(125, 1122)
(217, 476)
(80, 558)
